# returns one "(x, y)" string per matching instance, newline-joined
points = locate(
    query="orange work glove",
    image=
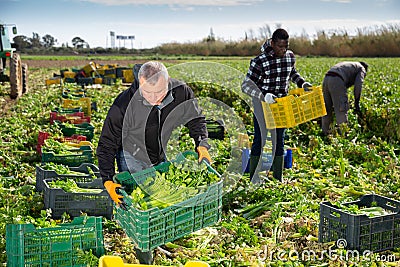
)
(203, 154)
(112, 189)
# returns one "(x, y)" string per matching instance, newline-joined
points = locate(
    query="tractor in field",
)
(18, 72)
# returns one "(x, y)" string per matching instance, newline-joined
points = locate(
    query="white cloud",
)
(176, 2)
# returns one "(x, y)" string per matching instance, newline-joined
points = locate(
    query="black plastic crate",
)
(93, 204)
(109, 80)
(85, 177)
(119, 71)
(361, 232)
(84, 80)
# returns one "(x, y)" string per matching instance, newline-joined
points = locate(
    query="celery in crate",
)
(51, 145)
(183, 180)
(70, 186)
(60, 168)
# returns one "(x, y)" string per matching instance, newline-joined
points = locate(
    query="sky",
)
(163, 21)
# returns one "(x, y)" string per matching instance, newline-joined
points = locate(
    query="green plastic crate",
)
(55, 246)
(154, 227)
(86, 129)
(86, 177)
(74, 204)
(73, 93)
(72, 160)
(64, 111)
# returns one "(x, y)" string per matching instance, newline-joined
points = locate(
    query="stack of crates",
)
(71, 153)
(151, 228)
(298, 107)
(75, 149)
(54, 246)
(76, 109)
(93, 73)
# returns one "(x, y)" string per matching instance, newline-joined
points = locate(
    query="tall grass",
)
(383, 41)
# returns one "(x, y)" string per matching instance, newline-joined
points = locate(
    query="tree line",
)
(24, 43)
(380, 41)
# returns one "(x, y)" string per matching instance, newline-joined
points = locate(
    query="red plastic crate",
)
(75, 118)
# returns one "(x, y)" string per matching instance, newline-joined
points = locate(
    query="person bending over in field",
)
(337, 80)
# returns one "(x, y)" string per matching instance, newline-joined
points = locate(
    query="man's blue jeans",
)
(127, 162)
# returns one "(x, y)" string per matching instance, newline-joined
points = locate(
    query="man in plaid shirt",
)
(267, 78)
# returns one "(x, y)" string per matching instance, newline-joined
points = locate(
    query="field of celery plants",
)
(263, 225)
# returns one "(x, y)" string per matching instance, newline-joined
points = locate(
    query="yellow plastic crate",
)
(298, 107)
(115, 261)
(128, 75)
(83, 102)
(280, 114)
(79, 144)
(89, 68)
(53, 81)
(98, 80)
(69, 74)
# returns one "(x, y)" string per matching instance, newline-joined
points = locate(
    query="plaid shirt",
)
(271, 74)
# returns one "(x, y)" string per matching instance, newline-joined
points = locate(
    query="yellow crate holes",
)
(298, 107)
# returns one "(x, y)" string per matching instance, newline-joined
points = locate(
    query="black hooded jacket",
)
(143, 130)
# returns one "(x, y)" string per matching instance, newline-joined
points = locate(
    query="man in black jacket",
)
(139, 124)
